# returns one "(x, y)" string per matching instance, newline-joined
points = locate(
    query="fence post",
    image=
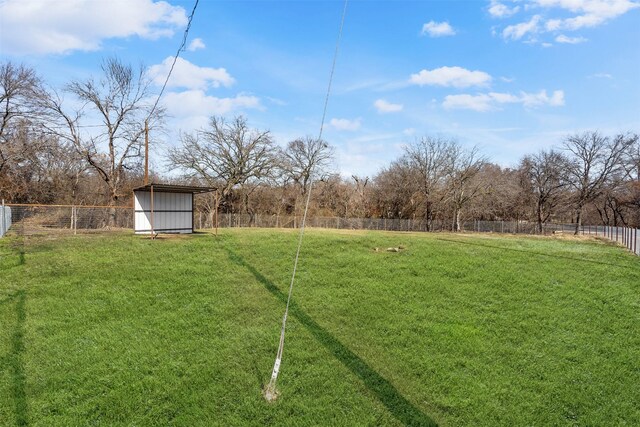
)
(625, 239)
(4, 221)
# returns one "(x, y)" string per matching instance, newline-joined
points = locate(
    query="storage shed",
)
(165, 208)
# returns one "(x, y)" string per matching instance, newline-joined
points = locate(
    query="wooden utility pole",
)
(146, 152)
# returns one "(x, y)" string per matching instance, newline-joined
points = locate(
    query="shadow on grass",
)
(524, 251)
(19, 255)
(15, 362)
(396, 404)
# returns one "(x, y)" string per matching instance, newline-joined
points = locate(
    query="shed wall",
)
(5, 219)
(172, 212)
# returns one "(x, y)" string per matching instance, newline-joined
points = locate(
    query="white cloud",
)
(553, 24)
(490, 101)
(500, 10)
(451, 76)
(504, 98)
(601, 76)
(571, 40)
(346, 124)
(517, 31)
(196, 44)
(481, 102)
(590, 13)
(583, 14)
(541, 98)
(438, 29)
(277, 101)
(409, 132)
(42, 26)
(387, 107)
(192, 103)
(188, 75)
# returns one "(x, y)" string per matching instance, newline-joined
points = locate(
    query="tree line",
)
(83, 145)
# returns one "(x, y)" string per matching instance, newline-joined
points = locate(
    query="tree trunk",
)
(539, 216)
(578, 220)
(428, 216)
(113, 200)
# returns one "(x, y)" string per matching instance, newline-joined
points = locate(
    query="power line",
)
(270, 392)
(181, 48)
(175, 58)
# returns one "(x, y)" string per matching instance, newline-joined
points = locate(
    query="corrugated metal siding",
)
(172, 212)
(5, 219)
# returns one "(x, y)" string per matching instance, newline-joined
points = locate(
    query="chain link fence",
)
(625, 236)
(60, 219)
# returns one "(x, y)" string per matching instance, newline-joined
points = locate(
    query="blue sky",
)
(508, 76)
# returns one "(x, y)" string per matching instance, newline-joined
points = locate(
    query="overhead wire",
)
(181, 48)
(270, 391)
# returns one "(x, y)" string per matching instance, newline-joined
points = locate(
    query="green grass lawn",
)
(453, 330)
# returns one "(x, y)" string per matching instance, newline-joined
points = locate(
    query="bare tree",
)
(502, 197)
(464, 165)
(545, 174)
(632, 199)
(360, 197)
(20, 92)
(118, 102)
(305, 158)
(225, 154)
(332, 197)
(394, 190)
(594, 159)
(431, 158)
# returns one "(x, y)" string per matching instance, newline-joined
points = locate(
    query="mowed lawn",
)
(452, 330)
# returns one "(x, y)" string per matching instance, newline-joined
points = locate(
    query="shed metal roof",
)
(171, 188)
